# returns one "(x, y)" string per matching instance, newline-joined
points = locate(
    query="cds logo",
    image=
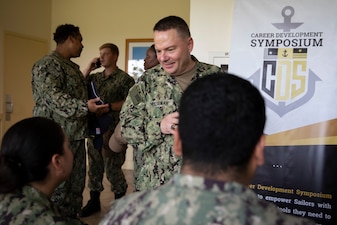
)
(285, 79)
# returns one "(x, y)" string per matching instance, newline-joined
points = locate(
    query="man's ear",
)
(177, 148)
(259, 151)
(71, 39)
(190, 44)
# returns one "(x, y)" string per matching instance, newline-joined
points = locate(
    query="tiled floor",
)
(106, 198)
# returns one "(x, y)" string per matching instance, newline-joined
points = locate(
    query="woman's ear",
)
(177, 147)
(55, 164)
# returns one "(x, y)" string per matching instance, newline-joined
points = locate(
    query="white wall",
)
(211, 25)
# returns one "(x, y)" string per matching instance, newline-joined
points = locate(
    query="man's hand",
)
(169, 123)
(98, 109)
(90, 67)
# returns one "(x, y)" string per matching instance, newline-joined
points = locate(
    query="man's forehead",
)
(105, 50)
(164, 39)
(165, 33)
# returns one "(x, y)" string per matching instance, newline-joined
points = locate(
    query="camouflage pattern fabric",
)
(113, 88)
(29, 206)
(60, 93)
(155, 95)
(194, 200)
(111, 162)
(96, 167)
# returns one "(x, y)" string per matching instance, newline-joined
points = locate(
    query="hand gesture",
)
(169, 123)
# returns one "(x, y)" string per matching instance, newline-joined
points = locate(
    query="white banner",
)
(288, 49)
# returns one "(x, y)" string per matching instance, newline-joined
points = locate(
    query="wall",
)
(211, 26)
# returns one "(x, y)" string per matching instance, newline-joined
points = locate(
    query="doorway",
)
(20, 53)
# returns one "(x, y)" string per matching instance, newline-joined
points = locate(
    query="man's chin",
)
(170, 70)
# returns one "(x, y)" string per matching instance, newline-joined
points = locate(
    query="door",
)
(20, 53)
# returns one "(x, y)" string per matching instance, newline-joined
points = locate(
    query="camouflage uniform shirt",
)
(194, 200)
(29, 206)
(113, 88)
(60, 93)
(155, 95)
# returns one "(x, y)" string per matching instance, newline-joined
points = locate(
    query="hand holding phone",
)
(98, 63)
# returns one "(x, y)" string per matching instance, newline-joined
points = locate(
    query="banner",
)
(287, 49)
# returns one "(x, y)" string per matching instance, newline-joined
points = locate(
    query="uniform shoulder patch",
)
(135, 95)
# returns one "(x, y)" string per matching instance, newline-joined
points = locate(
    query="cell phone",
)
(98, 63)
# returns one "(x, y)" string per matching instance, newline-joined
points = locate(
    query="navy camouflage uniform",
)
(189, 199)
(60, 93)
(29, 206)
(113, 88)
(155, 95)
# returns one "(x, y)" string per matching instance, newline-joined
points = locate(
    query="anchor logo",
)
(287, 25)
(285, 54)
